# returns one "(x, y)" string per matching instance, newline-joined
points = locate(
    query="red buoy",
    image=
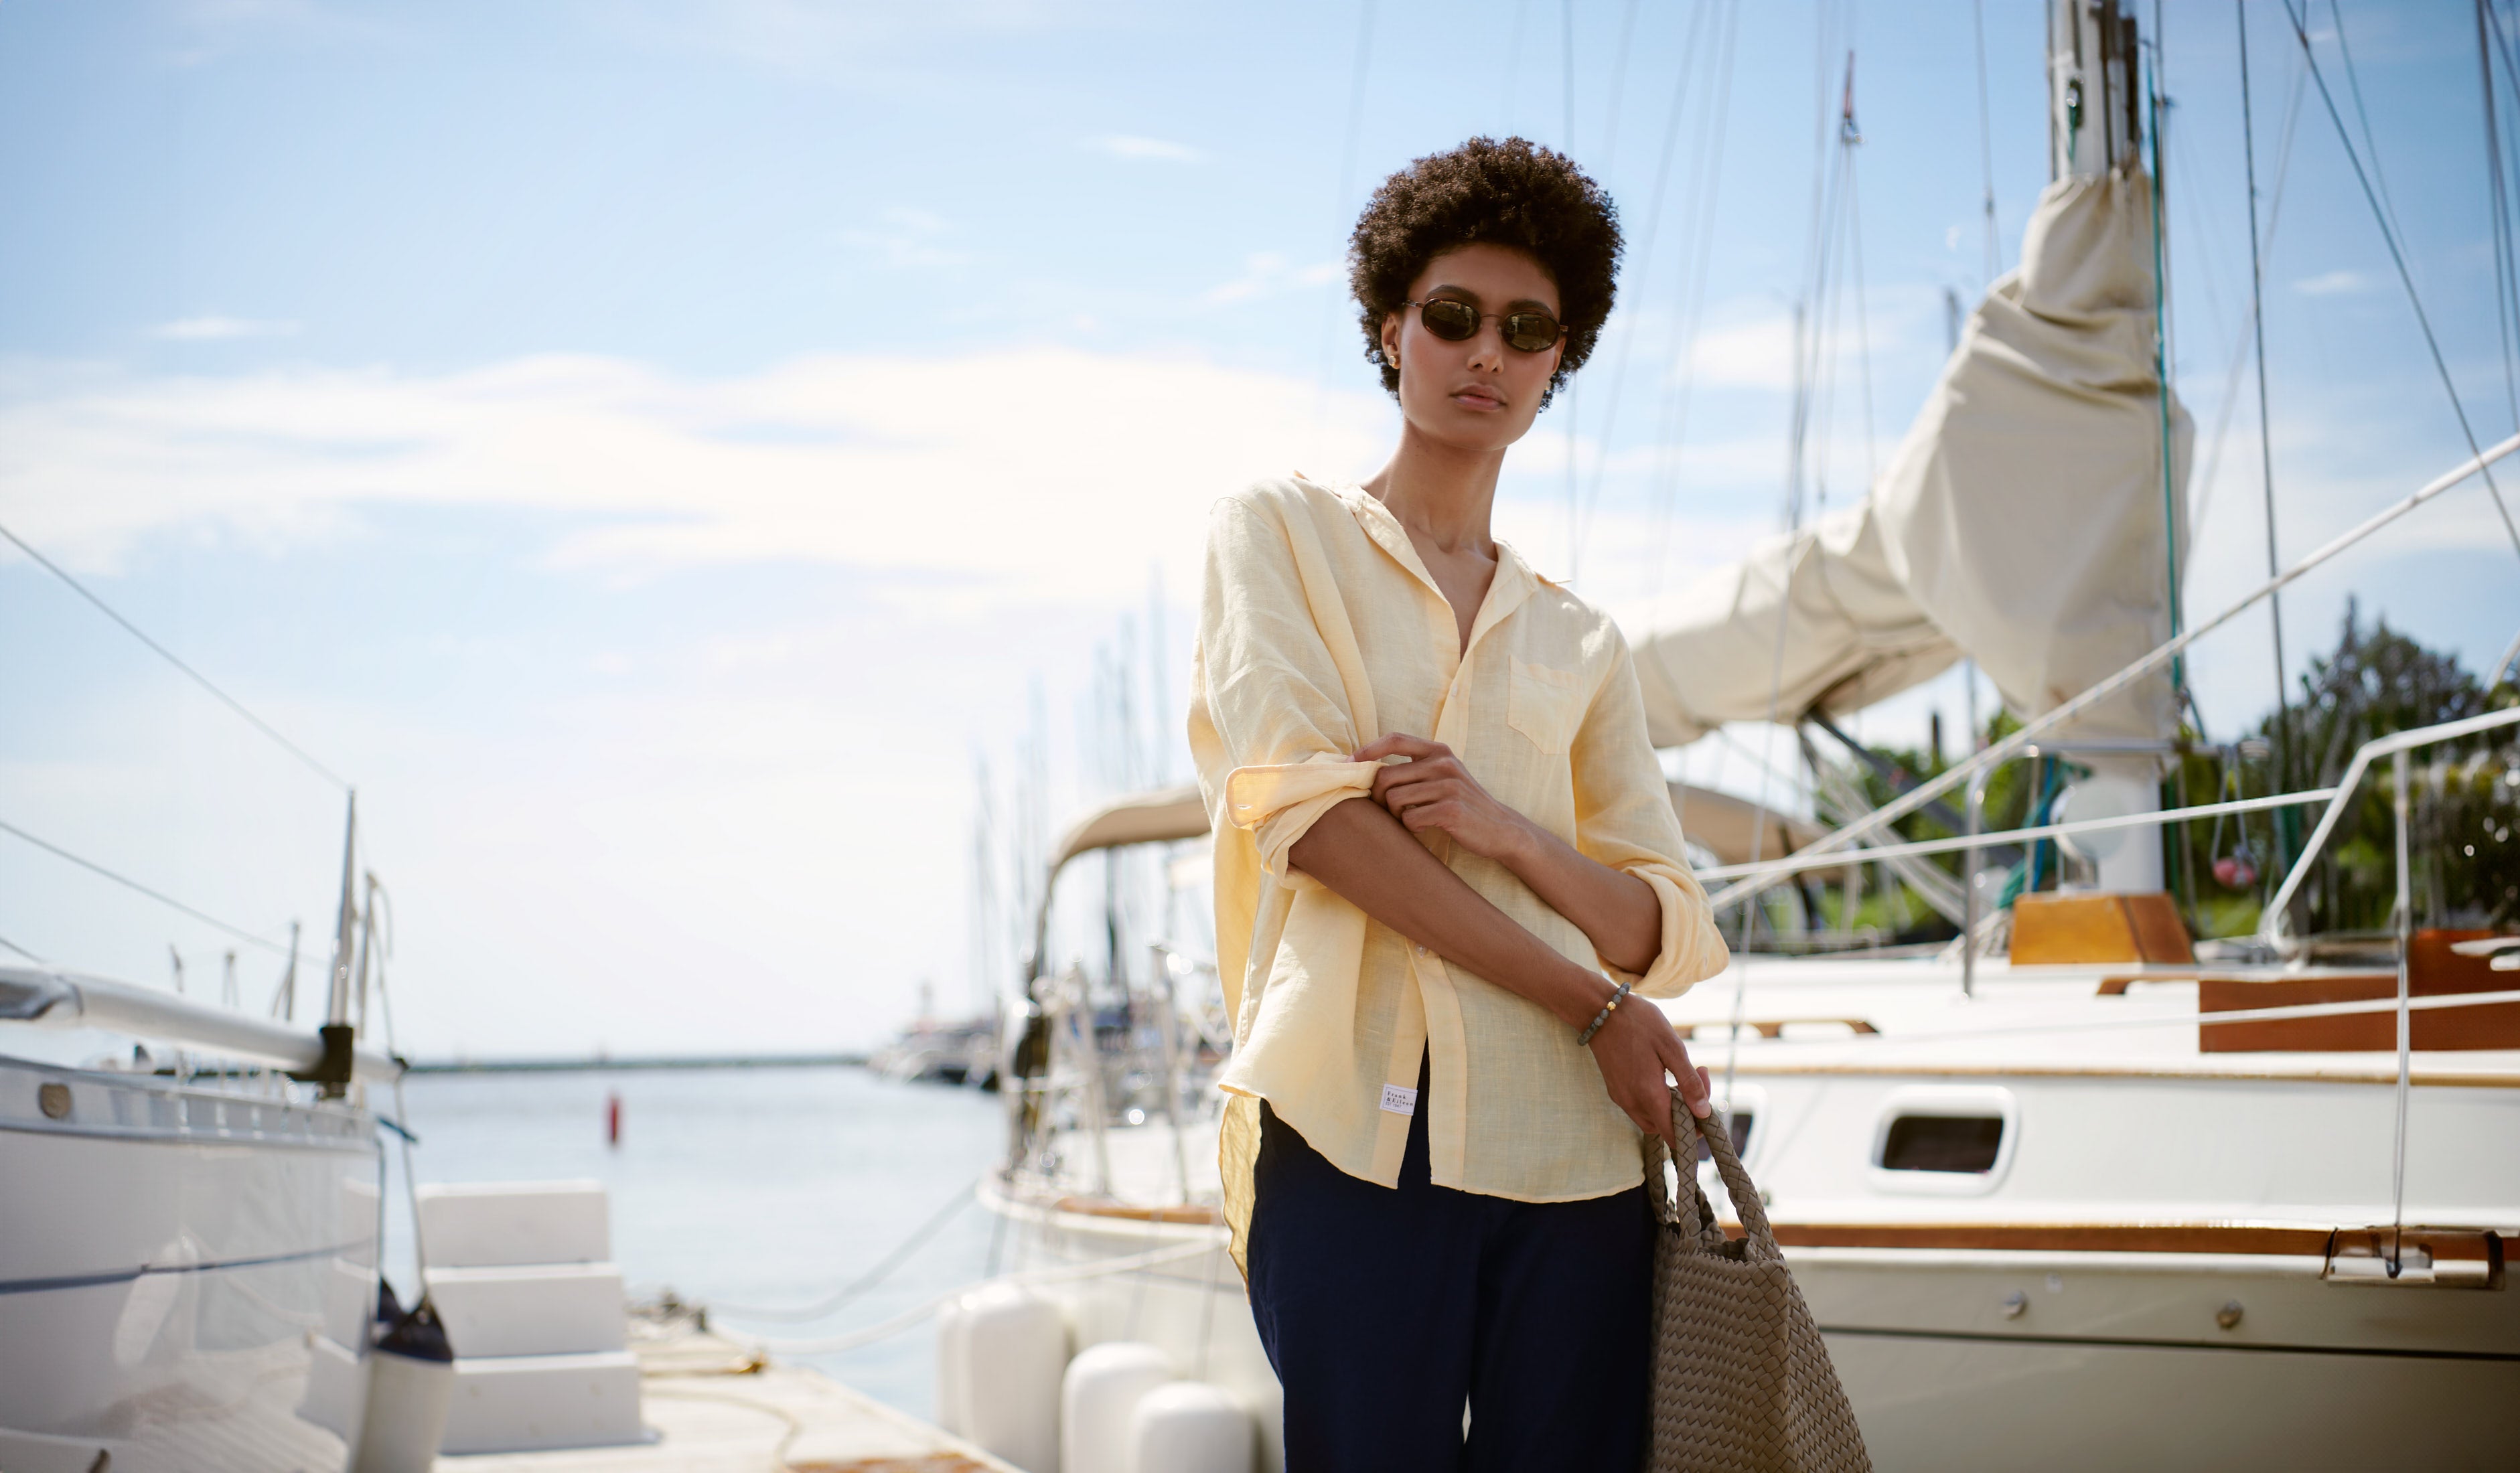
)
(612, 1120)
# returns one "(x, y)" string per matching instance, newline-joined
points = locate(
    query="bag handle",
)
(1693, 1214)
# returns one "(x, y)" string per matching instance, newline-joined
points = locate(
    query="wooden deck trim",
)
(2264, 1239)
(1772, 1028)
(1192, 1213)
(2424, 1078)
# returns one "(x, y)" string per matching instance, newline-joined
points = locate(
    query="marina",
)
(2127, 1069)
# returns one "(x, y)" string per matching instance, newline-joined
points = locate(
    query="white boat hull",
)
(185, 1274)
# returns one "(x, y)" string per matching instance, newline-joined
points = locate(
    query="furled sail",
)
(2020, 523)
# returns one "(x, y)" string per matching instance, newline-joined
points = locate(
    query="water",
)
(767, 1186)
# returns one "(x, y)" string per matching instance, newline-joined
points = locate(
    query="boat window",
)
(1741, 1121)
(1942, 1142)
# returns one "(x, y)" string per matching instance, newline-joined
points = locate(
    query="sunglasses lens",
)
(1450, 321)
(1531, 332)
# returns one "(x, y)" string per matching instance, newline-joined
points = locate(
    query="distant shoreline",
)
(591, 1065)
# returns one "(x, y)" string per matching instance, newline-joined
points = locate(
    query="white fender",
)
(1102, 1387)
(1191, 1427)
(1013, 1355)
(952, 1357)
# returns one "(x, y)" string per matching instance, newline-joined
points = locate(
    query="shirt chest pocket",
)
(1544, 704)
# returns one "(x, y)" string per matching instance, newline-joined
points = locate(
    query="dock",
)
(716, 1407)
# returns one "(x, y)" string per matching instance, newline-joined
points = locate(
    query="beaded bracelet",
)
(1585, 1037)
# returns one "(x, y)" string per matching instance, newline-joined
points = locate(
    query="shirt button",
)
(1422, 952)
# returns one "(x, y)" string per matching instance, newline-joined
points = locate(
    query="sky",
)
(664, 452)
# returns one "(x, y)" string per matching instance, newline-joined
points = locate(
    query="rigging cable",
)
(128, 883)
(2240, 354)
(2405, 275)
(1706, 178)
(2266, 433)
(1850, 137)
(22, 952)
(2506, 298)
(2161, 361)
(199, 679)
(1644, 266)
(1574, 390)
(1827, 195)
(2353, 85)
(1619, 83)
(1347, 178)
(833, 1303)
(1986, 152)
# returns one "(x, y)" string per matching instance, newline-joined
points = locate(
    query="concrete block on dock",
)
(500, 1225)
(537, 1310)
(523, 1404)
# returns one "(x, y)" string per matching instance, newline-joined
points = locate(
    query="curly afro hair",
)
(1511, 193)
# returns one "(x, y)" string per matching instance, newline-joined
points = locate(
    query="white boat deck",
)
(715, 1408)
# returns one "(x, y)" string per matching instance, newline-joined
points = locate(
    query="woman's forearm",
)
(1364, 854)
(1618, 911)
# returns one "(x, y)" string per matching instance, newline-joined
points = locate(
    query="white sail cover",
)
(2020, 522)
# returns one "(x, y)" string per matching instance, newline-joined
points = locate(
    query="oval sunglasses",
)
(1528, 331)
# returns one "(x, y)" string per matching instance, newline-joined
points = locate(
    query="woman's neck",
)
(1440, 492)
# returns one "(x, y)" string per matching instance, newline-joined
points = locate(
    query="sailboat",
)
(2071, 1190)
(190, 1213)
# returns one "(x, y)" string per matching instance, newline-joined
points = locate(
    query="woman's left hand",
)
(1433, 789)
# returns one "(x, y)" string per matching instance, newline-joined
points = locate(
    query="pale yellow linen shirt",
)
(1321, 630)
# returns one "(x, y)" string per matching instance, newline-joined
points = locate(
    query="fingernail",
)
(1702, 1109)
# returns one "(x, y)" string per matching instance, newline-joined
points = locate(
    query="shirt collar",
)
(1515, 580)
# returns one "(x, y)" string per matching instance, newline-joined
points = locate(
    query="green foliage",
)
(2464, 819)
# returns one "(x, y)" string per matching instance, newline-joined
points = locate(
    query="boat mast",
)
(333, 1074)
(2093, 117)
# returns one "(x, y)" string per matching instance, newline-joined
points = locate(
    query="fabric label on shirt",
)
(1399, 1101)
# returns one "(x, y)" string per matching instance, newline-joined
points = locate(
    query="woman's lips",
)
(1481, 399)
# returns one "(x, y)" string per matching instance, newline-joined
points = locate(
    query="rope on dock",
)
(924, 1233)
(917, 1313)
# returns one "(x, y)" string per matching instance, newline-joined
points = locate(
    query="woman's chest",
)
(1506, 689)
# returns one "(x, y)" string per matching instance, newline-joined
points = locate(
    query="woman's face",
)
(1478, 395)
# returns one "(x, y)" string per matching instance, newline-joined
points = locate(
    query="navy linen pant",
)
(1384, 1311)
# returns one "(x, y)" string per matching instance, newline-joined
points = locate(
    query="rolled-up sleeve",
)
(1624, 820)
(1280, 699)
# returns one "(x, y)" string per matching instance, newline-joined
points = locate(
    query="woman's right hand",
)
(1634, 1049)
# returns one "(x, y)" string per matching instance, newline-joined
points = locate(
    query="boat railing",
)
(43, 997)
(2272, 929)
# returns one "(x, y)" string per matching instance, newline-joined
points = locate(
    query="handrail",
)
(1805, 860)
(2271, 928)
(2289, 1012)
(2011, 746)
(52, 998)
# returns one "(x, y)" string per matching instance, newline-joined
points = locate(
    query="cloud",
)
(907, 236)
(218, 329)
(799, 37)
(2334, 284)
(1014, 473)
(1266, 274)
(1156, 149)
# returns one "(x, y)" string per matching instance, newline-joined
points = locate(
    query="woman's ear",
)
(1391, 340)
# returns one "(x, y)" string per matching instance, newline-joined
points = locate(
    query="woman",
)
(1445, 856)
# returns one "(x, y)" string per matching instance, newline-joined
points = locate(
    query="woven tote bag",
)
(1741, 1380)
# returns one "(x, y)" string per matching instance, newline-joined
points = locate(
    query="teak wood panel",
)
(2064, 928)
(2433, 971)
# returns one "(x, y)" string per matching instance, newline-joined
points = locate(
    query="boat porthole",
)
(53, 1099)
